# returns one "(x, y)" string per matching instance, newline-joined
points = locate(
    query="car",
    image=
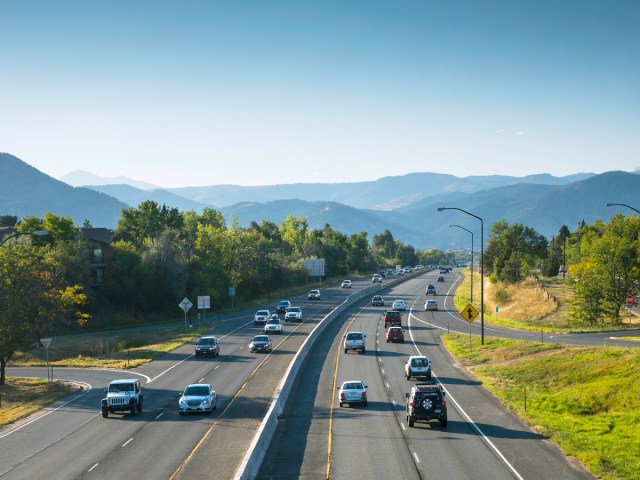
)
(352, 391)
(354, 341)
(273, 325)
(419, 267)
(430, 305)
(261, 317)
(395, 334)
(408, 269)
(377, 301)
(377, 278)
(389, 272)
(417, 366)
(399, 272)
(440, 278)
(123, 395)
(426, 401)
(197, 398)
(392, 318)
(431, 290)
(282, 306)
(443, 270)
(313, 295)
(293, 313)
(399, 305)
(346, 284)
(261, 343)
(207, 346)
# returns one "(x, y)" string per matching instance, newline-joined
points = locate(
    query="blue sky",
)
(184, 93)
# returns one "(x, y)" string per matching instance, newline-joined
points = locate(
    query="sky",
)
(263, 92)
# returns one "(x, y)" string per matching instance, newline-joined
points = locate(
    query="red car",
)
(395, 334)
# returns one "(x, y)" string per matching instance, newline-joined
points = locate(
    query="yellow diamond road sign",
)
(469, 313)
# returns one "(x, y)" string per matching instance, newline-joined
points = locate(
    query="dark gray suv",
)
(426, 402)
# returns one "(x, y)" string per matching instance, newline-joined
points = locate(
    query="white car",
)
(354, 341)
(430, 305)
(377, 278)
(353, 391)
(293, 313)
(197, 398)
(346, 284)
(314, 295)
(273, 325)
(417, 366)
(399, 305)
(261, 317)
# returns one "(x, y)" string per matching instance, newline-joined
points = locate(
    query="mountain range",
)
(405, 205)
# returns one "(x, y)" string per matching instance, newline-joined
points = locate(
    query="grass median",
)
(584, 398)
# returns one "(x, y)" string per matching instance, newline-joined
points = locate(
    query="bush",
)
(502, 296)
(129, 343)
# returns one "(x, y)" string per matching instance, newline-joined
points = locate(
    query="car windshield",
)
(121, 387)
(207, 341)
(196, 390)
(261, 339)
(273, 321)
(353, 386)
(395, 330)
(262, 312)
(419, 362)
(354, 336)
(294, 309)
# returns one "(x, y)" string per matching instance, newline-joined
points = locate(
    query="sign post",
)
(204, 302)
(45, 342)
(469, 313)
(185, 305)
(630, 301)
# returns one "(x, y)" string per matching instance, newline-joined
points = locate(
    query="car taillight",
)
(364, 394)
(444, 404)
(409, 369)
(411, 404)
(342, 395)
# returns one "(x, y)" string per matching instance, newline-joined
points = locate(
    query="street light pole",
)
(440, 209)
(460, 226)
(37, 233)
(622, 205)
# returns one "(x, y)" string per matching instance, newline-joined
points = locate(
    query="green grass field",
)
(585, 399)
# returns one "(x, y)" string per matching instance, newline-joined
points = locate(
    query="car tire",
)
(428, 377)
(365, 403)
(341, 404)
(443, 422)
(181, 413)
(105, 412)
(346, 350)
(139, 406)
(412, 422)
(364, 350)
(134, 410)
(387, 341)
(408, 377)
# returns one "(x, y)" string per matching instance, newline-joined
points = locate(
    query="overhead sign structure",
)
(469, 313)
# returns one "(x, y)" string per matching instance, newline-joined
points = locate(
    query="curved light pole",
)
(38, 233)
(440, 209)
(460, 226)
(621, 205)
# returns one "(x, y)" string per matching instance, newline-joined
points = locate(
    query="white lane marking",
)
(127, 442)
(394, 403)
(159, 415)
(402, 425)
(51, 411)
(388, 387)
(217, 367)
(483, 436)
(187, 358)
(201, 380)
(415, 455)
(382, 370)
(93, 467)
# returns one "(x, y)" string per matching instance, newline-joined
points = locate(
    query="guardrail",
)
(252, 460)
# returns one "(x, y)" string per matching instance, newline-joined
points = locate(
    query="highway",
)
(318, 439)
(76, 442)
(315, 438)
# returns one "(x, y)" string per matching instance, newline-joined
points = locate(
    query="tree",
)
(8, 220)
(34, 297)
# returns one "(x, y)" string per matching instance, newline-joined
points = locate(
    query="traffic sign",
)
(204, 301)
(469, 313)
(45, 342)
(630, 299)
(185, 304)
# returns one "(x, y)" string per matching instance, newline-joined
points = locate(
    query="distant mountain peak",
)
(80, 178)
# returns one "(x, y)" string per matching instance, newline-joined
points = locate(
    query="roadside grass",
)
(126, 348)
(584, 398)
(21, 396)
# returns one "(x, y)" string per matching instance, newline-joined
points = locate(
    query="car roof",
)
(417, 356)
(125, 380)
(353, 381)
(261, 337)
(198, 385)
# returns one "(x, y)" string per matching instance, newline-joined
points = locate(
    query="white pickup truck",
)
(354, 341)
